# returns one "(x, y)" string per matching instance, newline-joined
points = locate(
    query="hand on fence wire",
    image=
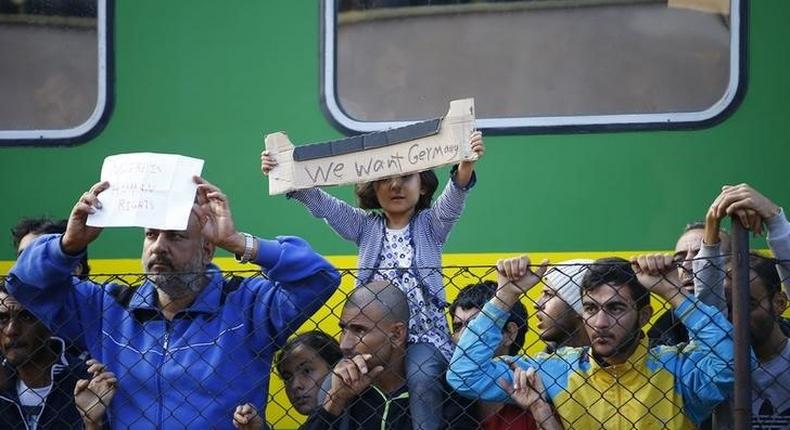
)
(350, 377)
(657, 272)
(246, 417)
(78, 234)
(93, 396)
(515, 277)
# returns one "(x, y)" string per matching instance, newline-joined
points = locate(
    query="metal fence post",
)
(742, 408)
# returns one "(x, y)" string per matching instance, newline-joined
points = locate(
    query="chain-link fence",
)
(588, 344)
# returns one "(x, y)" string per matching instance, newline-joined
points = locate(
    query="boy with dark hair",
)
(467, 305)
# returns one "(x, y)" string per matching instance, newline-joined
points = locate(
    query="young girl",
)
(403, 244)
(302, 363)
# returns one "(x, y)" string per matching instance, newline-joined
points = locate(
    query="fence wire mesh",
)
(590, 345)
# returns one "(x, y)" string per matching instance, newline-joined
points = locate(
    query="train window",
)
(54, 65)
(531, 65)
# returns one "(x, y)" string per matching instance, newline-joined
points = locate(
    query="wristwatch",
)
(249, 246)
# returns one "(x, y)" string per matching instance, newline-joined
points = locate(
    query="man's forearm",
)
(334, 403)
(473, 372)
(676, 297)
(544, 416)
(505, 299)
(709, 274)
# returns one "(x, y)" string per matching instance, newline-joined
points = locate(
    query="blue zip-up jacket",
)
(191, 371)
(662, 387)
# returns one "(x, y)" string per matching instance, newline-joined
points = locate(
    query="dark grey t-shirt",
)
(771, 393)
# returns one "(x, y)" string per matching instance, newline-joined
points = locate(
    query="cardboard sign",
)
(375, 156)
(147, 190)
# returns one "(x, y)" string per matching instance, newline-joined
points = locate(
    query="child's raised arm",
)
(346, 220)
(449, 206)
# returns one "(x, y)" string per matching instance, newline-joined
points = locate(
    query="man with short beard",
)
(187, 346)
(559, 308)
(367, 389)
(771, 377)
(617, 382)
(769, 331)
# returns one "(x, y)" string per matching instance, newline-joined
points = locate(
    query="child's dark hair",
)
(616, 271)
(366, 193)
(324, 345)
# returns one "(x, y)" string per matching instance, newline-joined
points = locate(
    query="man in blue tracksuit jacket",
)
(187, 345)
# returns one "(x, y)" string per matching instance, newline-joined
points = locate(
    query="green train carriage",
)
(609, 124)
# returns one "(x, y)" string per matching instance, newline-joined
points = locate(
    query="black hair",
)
(765, 269)
(475, 296)
(616, 271)
(44, 225)
(324, 345)
(366, 193)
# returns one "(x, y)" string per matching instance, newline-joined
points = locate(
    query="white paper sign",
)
(147, 190)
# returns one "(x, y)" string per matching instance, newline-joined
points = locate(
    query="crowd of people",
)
(190, 347)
